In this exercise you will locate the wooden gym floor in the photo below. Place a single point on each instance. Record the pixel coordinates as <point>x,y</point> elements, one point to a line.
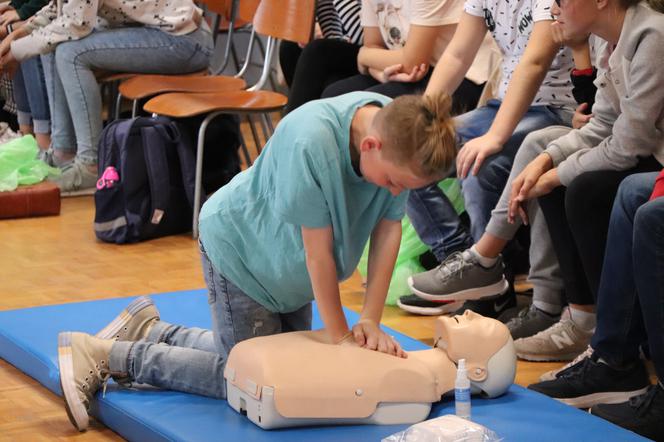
<point>56,260</point>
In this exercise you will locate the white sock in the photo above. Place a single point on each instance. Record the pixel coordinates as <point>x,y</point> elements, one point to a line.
<point>483,260</point>
<point>585,320</point>
<point>546,307</point>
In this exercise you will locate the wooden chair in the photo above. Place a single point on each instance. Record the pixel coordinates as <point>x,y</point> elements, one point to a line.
<point>275,19</point>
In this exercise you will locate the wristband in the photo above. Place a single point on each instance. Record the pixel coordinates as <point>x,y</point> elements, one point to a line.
<point>583,72</point>
<point>10,28</point>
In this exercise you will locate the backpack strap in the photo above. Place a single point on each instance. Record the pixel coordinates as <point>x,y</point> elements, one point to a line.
<point>186,154</point>
<point>154,137</point>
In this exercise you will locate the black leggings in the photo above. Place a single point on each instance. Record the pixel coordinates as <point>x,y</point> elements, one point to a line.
<point>464,99</point>
<point>310,70</point>
<point>578,221</point>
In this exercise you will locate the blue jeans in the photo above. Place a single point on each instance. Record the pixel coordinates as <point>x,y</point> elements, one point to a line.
<point>32,102</point>
<point>630,303</point>
<point>192,360</point>
<point>432,214</point>
<point>74,94</point>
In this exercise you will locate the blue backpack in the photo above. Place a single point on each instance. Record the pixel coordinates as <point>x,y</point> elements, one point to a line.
<point>146,184</point>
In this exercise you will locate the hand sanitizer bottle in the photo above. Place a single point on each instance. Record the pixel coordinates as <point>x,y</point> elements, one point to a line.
<point>462,391</point>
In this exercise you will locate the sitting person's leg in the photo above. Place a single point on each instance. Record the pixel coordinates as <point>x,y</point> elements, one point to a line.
<point>33,75</point>
<point>135,49</point>
<point>322,62</point>
<point>63,137</point>
<point>357,82</point>
<point>629,306</point>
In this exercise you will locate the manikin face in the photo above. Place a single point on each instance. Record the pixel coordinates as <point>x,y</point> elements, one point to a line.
<point>575,17</point>
<point>384,173</point>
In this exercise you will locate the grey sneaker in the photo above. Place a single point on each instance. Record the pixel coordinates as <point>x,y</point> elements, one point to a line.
<point>83,363</point>
<point>563,341</point>
<point>76,179</point>
<point>460,277</point>
<point>552,374</point>
<point>530,321</point>
<point>133,323</point>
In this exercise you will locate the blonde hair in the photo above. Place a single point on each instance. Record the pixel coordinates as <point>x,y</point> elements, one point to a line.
<point>418,131</point>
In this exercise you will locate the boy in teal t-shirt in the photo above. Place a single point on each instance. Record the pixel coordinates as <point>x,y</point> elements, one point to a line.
<point>285,232</point>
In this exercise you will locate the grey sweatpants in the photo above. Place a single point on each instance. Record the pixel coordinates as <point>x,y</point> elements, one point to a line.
<point>544,269</point>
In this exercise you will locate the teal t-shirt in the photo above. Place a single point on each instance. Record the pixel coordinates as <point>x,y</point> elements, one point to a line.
<point>251,228</point>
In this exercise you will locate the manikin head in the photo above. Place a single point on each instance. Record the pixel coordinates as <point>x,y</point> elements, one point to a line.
<point>409,143</point>
<point>485,344</point>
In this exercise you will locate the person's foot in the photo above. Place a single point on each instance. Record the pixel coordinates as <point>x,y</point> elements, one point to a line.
<point>133,323</point>
<point>76,178</point>
<point>83,364</point>
<point>552,374</point>
<point>643,414</point>
<point>563,341</point>
<point>530,321</point>
<point>416,305</point>
<point>590,382</point>
<point>502,307</point>
<point>460,277</point>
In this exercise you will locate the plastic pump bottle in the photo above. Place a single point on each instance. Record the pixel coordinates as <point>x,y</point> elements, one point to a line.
<point>462,391</point>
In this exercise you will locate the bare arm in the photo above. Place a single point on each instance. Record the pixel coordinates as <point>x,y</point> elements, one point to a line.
<point>458,56</point>
<point>521,91</point>
<point>417,50</point>
<point>323,273</point>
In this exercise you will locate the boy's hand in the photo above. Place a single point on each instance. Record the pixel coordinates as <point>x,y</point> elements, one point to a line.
<point>9,16</point>
<point>396,73</point>
<point>523,183</point>
<point>580,117</point>
<point>474,152</point>
<point>369,335</point>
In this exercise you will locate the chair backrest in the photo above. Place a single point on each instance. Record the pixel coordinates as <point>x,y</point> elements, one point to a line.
<point>219,7</point>
<point>246,10</point>
<point>291,20</point>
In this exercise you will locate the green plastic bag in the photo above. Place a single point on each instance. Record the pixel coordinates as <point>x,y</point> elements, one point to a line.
<point>19,164</point>
<point>411,247</point>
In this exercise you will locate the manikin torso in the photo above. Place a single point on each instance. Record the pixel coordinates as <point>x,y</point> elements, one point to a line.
<point>300,379</point>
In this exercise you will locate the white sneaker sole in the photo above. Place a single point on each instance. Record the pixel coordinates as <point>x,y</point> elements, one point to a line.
<point>78,414</point>
<point>443,309</point>
<point>473,294</point>
<point>611,397</point>
<point>117,324</point>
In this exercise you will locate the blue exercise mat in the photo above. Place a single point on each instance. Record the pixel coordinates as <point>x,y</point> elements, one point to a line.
<point>28,340</point>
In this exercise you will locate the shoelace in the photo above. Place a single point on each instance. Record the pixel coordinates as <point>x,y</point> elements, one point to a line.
<point>586,354</point>
<point>454,263</point>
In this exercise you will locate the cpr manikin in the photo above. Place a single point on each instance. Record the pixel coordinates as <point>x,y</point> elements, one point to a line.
<point>297,378</point>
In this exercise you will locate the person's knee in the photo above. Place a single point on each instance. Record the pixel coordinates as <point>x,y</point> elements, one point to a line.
<point>66,55</point>
<point>648,219</point>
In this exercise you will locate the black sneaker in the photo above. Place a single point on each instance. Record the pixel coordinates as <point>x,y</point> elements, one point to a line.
<point>591,382</point>
<point>643,414</point>
<point>415,304</point>
<point>502,307</point>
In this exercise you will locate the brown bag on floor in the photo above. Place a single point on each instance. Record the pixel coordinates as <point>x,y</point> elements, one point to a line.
<point>26,201</point>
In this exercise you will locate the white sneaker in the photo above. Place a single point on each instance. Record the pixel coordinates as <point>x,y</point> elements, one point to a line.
<point>563,341</point>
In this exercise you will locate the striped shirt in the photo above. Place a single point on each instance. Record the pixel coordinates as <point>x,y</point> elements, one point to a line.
<point>340,19</point>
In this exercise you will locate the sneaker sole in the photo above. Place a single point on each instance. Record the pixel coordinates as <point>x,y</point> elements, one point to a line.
<point>610,397</point>
<point>76,411</point>
<point>474,294</point>
<point>117,324</point>
<point>449,307</point>
<point>547,357</point>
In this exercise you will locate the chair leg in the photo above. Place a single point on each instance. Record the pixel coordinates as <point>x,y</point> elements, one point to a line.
<point>264,128</point>
<point>245,150</point>
<point>118,104</point>
<point>134,108</point>
<point>268,122</point>
<point>198,187</point>
<point>254,133</point>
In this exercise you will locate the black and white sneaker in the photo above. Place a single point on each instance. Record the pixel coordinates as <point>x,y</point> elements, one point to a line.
<point>591,382</point>
<point>416,305</point>
<point>502,308</point>
<point>643,414</point>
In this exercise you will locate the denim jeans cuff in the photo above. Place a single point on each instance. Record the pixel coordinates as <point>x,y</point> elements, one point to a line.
<point>118,360</point>
<point>42,126</point>
<point>157,332</point>
<point>549,296</point>
<point>24,118</point>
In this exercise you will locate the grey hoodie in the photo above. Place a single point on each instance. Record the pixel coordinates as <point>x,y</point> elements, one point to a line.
<point>628,116</point>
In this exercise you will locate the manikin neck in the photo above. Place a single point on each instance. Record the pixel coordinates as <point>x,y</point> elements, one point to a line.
<point>442,367</point>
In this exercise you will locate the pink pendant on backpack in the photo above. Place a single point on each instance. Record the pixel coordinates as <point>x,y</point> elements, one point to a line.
<point>108,178</point>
